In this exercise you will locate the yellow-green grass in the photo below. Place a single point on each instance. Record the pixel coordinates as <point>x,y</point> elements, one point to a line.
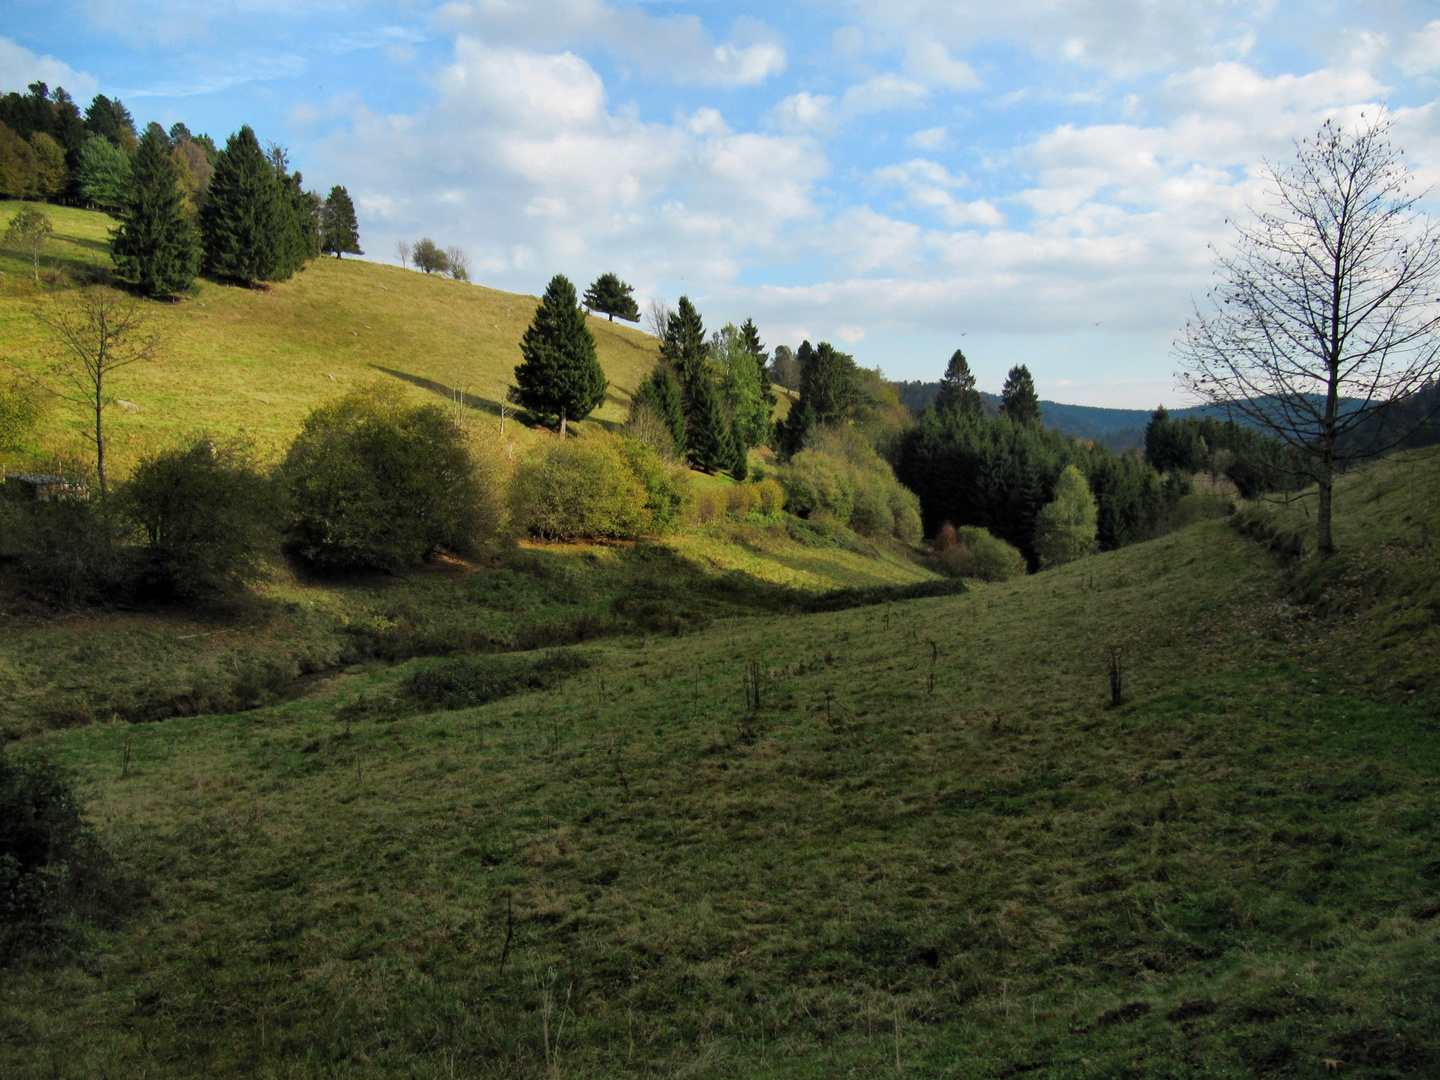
<point>254,362</point>
<point>931,850</point>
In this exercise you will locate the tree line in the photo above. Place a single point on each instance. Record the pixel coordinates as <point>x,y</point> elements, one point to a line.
<point>183,204</point>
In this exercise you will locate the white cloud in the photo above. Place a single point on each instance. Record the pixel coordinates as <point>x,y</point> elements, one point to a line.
<point>930,62</point>
<point>883,93</point>
<point>523,164</point>
<point>19,67</point>
<point>929,139</point>
<point>675,46</point>
<point>805,112</point>
<point>1422,51</point>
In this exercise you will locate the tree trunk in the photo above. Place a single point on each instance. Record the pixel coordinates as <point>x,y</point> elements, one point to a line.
<point>612,316</point>
<point>1324,540</point>
<point>99,443</point>
<point>562,423</point>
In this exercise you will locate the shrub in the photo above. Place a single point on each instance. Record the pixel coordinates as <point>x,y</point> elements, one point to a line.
<point>21,406</point>
<point>872,515</point>
<point>473,680</point>
<point>376,484</point>
<point>667,485</point>
<point>707,505</point>
<point>70,547</point>
<point>576,488</point>
<point>53,872</point>
<point>739,500</point>
<point>814,483</point>
<point>769,498</point>
<point>972,552</point>
<point>1065,528</point>
<point>206,514</point>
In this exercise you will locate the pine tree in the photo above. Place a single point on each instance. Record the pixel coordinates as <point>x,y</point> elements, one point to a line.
<point>156,248</point>
<point>244,223</point>
<point>1066,528</point>
<point>559,379</point>
<point>957,389</point>
<point>340,232</point>
<point>1018,400</point>
<point>662,391</point>
<point>610,295</point>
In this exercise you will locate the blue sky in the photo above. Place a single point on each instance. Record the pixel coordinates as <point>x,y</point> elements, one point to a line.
<point>1033,181</point>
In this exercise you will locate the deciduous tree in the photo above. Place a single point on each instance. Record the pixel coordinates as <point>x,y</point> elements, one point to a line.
<point>427,256</point>
<point>30,230</point>
<point>95,332</point>
<point>1324,317</point>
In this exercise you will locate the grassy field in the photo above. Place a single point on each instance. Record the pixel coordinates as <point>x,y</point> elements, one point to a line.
<point>255,362</point>
<point>929,848</point>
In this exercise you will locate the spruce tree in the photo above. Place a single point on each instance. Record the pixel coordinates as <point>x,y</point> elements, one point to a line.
<point>559,379</point>
<point>684,343</point>
<point>611,296</point>
<point>244,224</point>
<point>739,453</point>
<point>340,232</point>
<point>662,391</point>
<point>709,445</point>
<point>958,395</point>
<point>1018,400</point>
<point>156,248</point>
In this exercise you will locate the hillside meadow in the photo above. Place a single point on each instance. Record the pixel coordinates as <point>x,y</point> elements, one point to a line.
<point>254,362</point>
<point>901,839</point>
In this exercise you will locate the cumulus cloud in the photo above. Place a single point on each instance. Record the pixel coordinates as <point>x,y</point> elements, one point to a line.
<point>522,161</point>
<point>19,67</point>
<point>675,46</point>
<point>1421,53</point>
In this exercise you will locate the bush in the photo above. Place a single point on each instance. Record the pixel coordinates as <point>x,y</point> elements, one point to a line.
<point>576,488</point>
<point>972,552</point>
<point>206,514</point>
<point>839,474</point>
<point>54,874</point>
<point>739,500</point>
<point>470,681</point>
<point>70,547</point>
<point>769,498</point>
<point>815,483</point>
<point>376,484</point>
<point>667,485</point>
<point>707,505</point>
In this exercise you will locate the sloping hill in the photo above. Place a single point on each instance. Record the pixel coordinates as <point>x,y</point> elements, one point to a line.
<point>257,361</point>
<point>910,839</point>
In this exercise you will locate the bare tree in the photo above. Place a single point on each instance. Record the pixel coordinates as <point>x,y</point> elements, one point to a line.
<point>95,332</point>
<point>657,318</point>
<point>402,248</point>
<point>459,263</point>
<point>1325,316</point>
<point>508,394</point>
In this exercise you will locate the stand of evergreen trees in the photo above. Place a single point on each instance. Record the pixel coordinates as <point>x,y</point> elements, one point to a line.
<point>183,204</point>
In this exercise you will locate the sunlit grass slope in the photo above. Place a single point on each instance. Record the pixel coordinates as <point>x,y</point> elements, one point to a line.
<point>931,849</point>
<point>255,362</point>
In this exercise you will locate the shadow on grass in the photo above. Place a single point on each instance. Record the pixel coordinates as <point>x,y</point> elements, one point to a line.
<point>482,404</point>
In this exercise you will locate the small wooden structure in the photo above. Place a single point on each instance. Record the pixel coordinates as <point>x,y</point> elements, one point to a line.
<point>42,487</point>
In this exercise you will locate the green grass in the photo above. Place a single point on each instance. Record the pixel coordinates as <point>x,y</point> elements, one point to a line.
<point>1232,875</point>
<point>255,362</point>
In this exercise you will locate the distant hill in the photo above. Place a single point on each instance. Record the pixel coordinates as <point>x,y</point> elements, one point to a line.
<point>1119,429</point>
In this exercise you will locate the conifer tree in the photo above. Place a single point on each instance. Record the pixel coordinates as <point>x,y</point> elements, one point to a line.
<point>662,391</point>
<point>740,453</point>
<point>1066,528</point>
<point>610,295</point>
<point>340,232</point>
<point>709,445</point>
<point>1018,399</point>
<point>243,224</point>
<point>958,395</point>
<point>559,379</point>
<point>156,248</point>
<point>684,344</point>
